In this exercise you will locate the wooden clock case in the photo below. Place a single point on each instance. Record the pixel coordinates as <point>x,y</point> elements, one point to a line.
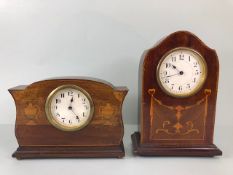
<point>176,126</point>
<point>37,138</point>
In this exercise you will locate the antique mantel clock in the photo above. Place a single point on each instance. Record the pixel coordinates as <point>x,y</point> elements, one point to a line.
<point>69,117</point>
<point>178,83</point>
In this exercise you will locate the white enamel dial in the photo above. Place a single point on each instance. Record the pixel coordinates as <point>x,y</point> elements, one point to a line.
<point>181,72</point>
<point>69,108</point>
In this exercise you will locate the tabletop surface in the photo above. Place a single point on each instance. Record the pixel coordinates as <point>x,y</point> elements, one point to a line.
<point>130,164</point>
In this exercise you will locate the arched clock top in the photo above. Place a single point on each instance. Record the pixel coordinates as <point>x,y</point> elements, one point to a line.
<point>178,82</point>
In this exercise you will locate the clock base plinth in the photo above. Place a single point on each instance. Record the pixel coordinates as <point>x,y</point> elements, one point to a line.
<point>202,151</point>
<point>37,152</point>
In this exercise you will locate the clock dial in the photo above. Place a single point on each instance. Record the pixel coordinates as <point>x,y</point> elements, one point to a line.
<point>181,72</point>
<point>69,108</point>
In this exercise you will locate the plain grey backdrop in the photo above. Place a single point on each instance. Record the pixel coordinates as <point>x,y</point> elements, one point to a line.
<point>40,39</point>
<point>105,39</point>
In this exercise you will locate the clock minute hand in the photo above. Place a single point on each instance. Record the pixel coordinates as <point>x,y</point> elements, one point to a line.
<point>75,114</point>
<point>172,75</point>
<point>70,108</point>
<point>180,73</point>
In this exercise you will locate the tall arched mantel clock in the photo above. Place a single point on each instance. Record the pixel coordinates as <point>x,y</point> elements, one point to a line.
<point>178,83</point>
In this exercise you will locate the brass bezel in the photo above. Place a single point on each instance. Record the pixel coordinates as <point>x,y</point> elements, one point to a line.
<point>49,113</point>
<point>202,78</point>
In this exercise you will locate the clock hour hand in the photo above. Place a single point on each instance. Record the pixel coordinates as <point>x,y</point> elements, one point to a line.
<point>71,101</point>
<point>174,67</point>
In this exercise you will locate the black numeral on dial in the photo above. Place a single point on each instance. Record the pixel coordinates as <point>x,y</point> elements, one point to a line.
<point>58,101</point>
<point>70,93</point>
<point>173,59</point>
<point>181,56</point>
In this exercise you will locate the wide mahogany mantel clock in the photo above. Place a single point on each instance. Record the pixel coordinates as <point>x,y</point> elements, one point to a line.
<point>69,117</point>
<point>178,83</point>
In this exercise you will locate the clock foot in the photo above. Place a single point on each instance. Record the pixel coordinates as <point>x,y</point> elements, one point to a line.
<point>32,152</point>
<point>152,150</point>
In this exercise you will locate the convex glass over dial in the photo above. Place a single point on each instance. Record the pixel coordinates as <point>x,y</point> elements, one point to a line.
<point>69,108</point>
<point>181,72</point>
